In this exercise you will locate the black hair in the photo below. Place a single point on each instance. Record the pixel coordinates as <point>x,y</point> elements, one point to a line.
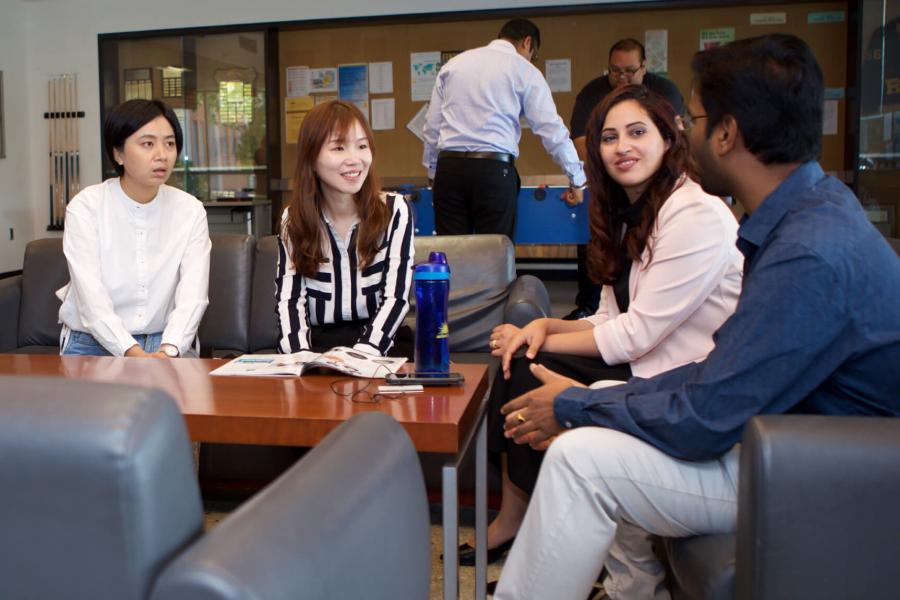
<point>126,118</point>
<point>773,87</point>
<point>628,45</point>
<point>517,30</point>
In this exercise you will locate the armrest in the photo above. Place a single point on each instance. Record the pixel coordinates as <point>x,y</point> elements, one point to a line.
<point>349,520</point>
<point>528,300</point>
<point>10,298</point>
<point>817,507</point>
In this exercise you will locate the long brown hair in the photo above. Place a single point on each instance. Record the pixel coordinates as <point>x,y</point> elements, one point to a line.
<point>303,227</point>
<point>608,198</point>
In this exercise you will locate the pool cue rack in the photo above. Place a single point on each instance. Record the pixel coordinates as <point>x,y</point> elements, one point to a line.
<point>64,154</point>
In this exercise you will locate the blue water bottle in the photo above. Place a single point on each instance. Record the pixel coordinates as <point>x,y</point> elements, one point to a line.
<point>432,281</point>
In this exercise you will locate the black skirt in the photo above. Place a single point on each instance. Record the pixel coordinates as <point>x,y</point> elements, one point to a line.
<point>524,463</point>
<point>326,337</point>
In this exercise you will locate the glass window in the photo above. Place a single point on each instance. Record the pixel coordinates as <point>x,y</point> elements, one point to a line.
<point>216,85</point>
<point>878,167</point>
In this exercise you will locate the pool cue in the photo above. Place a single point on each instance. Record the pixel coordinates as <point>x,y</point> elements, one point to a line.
<point>75,148</point>
<point>50,144</point>
<point>64,122</point>
<point>60,156</point>
<point>70,136</point>
<point>57,159</point>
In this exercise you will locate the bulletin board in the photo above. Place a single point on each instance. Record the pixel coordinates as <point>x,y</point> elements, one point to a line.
<point>582,37</point>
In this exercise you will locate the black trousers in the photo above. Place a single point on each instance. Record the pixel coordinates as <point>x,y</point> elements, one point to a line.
<point>326,337</point>
<point>475,195</point>
<point>588,292</point>
<point>522,462</point>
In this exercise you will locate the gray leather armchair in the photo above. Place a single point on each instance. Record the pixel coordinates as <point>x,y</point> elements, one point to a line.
<point>484,292</point>
<point>484,289</point>
<point>29,308</point>
<point>817,515</point>
<point>100,501</point>
<point>224,328</point>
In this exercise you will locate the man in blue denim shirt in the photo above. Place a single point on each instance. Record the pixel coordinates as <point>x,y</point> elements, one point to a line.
<point>816,331</point>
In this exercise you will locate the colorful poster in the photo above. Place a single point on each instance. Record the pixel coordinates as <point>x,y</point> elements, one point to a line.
<point>713,38</point>
<point>656,45</point>
<point>323,80</point>
<point>559,74</point>
<point>296,82</point>
<point>423,70</point>
<point>353,85</point>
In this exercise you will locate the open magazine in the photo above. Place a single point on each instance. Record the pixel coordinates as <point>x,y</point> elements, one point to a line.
<point>340,358</point>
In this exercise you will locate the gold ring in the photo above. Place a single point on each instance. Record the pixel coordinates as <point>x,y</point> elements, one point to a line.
<point>520,418</point>
<point>494,345</point>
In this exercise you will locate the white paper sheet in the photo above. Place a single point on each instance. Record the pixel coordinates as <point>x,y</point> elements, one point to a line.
<point>656,45</point>
<point>830,118</point>
<point>382,114</point>
<point>559,74</point>
<point>381,78</point>
<point>296,82</point>
<point>417,123</point>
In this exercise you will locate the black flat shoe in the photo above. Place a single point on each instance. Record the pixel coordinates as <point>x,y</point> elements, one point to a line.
<point>578,313</point>
<point>467,553</point>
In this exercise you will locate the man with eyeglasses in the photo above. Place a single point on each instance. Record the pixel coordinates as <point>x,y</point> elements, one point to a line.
<point>627,65</point>
<point>472,133</point>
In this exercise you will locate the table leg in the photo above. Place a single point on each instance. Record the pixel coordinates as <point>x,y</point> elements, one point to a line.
<point>450,502</point>
<point>481,511</point>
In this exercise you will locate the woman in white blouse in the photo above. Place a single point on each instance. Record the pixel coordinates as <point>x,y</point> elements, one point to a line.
<point>137,249</point>
<point>665,252</point>
<point>346,253</point>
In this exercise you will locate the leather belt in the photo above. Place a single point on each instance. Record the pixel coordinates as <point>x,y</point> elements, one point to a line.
<point>501,156</point>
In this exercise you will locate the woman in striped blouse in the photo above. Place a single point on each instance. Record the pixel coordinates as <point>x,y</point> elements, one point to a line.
<point>346,252</point>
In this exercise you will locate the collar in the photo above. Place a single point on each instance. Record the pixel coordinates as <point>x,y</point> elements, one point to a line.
<point>330,224</point>
<point>133,205</point>
<point>503,46</point>
<point>755,228</point>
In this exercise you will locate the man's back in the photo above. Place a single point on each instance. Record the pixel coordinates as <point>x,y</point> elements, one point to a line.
<point>482,93</point>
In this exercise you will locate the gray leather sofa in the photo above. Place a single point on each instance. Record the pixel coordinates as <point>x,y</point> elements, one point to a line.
<point>817,515</point>
<point>100,501</point>
<point>241,314</point>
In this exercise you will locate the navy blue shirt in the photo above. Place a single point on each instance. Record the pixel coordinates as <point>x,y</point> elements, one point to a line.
<point>816,331</point>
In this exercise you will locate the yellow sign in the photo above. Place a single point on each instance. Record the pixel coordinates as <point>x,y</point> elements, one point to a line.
<point>300,103</point>
<point>295,110</point>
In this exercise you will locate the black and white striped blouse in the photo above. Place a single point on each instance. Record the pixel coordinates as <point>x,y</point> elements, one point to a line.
<point>341,292</point>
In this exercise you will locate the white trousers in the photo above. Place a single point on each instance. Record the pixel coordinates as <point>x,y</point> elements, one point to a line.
<point>599,493</point>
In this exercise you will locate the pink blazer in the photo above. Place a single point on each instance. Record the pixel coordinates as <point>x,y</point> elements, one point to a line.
<point>680,298</point>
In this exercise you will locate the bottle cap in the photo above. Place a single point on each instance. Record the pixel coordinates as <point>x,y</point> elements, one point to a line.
<point>435,269</point>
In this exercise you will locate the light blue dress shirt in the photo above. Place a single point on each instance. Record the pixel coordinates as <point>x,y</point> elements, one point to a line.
<point>476,103</point>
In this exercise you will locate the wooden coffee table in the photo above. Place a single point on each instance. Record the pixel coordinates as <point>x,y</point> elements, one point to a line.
<point>300,411</point>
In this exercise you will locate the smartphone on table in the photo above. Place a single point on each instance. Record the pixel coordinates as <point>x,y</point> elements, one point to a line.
<point>424,379</point>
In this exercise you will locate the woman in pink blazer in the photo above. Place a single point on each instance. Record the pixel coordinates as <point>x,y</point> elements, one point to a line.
<point>665,252</point>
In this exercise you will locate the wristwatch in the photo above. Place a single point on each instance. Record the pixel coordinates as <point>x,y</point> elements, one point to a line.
<point>170,350</point>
